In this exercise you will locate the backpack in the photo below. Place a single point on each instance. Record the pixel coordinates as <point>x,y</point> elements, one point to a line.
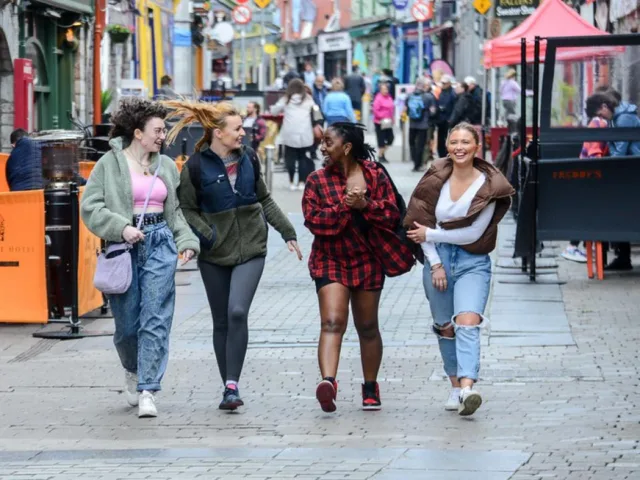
<point>415,106</point>
<point>195,170</point>
<point>400,231</point>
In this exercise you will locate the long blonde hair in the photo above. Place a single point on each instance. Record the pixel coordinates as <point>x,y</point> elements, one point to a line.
<point>209,115</point>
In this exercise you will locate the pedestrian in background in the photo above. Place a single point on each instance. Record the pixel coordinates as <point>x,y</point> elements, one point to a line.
<point>446,104</point>
<point>23,170</point>
<point>319,91</point>
<point>166,91</point>
<point>337,104</point>
<point>350,208</point>
<point>465,107</point>
<point>296,133</point>
<point>355,87</point>
<point>228,205</point>
<point>121,184</point>
<point>509,94</point>
<point>454,214</point>
<point>383,113</point>
<point>254,126</point>
<point>421,110</point>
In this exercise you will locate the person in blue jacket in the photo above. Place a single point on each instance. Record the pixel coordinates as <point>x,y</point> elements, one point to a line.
<point>24,167</point>
<point>337,104</point>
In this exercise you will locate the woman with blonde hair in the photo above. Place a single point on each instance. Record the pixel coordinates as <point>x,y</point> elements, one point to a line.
<point>510,94</point>
<point>337,105</point>
<point>226,202</point>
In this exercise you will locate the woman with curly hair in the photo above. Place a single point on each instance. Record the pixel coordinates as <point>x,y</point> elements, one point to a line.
<point>122,183</point>
<point>350,207</point>
<point>227,204</point>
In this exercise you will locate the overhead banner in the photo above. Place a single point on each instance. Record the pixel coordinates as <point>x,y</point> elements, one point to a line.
<point>515,8</point>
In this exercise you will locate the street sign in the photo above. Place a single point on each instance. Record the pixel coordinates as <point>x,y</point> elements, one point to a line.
<point>241,14</point>
<point>422,12</point>
<point>482,6</point>
<point>262,3</point>
<point>400,4</point>
<point>270,49</point>
<point>242,2</point>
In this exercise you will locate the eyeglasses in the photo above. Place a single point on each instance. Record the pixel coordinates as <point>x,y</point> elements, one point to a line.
<point>158,132</point>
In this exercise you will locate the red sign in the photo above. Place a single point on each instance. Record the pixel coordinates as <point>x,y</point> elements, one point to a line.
<point>242,2</point>
<point>422,12</point>
<point>241,14</point>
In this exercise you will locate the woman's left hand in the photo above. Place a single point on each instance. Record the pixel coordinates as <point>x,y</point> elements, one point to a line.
<point>419,234</point>
<point>187,255</point>
<point>294,247</point>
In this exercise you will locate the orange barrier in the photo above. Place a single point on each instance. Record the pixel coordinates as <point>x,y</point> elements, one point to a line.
<point>89,298</point>
<point>23,280</point>
<point>85,168</point>
<point>4,185</point>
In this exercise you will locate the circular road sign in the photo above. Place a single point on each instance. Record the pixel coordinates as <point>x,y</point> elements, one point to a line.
<point>422,12</point>
<point>241,14</point>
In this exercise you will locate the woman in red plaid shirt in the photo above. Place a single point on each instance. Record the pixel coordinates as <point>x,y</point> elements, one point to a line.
<point>350,207</point>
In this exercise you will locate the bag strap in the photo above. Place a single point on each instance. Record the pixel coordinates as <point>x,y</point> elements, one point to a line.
<point>146,201</point>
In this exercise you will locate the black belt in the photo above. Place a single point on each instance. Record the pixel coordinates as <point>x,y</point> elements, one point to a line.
<point>149,219</point>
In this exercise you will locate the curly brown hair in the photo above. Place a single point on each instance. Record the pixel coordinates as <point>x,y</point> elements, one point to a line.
<point>134,113</point>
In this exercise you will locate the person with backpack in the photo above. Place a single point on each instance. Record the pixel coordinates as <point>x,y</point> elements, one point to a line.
<point>226,202</point>
<point>421,110</point>
<point>351,209</point>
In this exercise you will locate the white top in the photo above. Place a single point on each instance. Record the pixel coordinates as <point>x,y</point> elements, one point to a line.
<point>447,209</point>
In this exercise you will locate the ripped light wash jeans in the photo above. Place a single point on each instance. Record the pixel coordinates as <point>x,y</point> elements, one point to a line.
<point>468,282</point>
<point>144,313</point>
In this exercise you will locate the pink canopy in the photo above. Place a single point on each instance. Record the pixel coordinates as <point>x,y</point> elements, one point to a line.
<point>552,18</point>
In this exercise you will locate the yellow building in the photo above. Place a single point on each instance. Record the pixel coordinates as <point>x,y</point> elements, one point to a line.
<point>154,41</point>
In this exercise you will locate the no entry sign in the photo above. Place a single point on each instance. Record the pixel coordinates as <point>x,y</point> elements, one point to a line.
<point>241,14</point>
<point>422,12</point>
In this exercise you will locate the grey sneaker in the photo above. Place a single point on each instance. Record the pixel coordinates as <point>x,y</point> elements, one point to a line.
<point>131,388</point>
<point>147,407</point>
<point>470,401</point>
<point>454,399</point>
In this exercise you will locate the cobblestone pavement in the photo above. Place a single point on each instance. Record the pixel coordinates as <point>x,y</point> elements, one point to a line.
<point>559,383</point>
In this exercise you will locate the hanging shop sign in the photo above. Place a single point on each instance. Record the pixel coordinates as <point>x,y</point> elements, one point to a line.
<point>515,8</point>
<point>400,4</point>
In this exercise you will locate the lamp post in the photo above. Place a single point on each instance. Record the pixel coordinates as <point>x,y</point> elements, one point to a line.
<point>98,32</point>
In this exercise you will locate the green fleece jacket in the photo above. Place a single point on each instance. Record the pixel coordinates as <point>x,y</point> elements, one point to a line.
<point>235,236</point>
<point>107,202</point>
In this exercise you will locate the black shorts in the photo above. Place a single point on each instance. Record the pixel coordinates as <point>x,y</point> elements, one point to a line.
<point>384,137</point>
<point>323,282</point>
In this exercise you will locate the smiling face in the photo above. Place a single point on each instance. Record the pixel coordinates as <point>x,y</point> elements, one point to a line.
<point>153,135</point>
<point>231,135</point>
<point>333,148</point>
<point>462,147</point>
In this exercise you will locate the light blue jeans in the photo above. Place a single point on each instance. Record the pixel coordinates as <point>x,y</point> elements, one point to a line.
<point>468,282</point>
<point>143,314</point>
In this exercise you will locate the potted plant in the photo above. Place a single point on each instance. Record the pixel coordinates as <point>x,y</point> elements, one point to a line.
<point>105,100</point>
<point>118,33</point>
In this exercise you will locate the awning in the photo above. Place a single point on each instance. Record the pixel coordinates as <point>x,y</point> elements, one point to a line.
<point>363,30</point>
<point>76,6</point>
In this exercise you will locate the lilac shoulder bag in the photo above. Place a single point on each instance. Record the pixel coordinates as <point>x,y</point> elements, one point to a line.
<point>113,271</point>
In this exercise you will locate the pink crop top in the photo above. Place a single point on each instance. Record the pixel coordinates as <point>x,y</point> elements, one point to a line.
<point>140,185</point>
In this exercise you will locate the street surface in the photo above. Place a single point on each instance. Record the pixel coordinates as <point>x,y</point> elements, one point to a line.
<point>559,376</point>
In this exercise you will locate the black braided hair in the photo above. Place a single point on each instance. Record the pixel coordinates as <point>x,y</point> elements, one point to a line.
<point>353,133</point>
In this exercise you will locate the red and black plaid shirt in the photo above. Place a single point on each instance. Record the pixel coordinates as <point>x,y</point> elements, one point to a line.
<point>342,250</point>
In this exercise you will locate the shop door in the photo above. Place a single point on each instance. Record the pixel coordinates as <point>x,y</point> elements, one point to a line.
<point>335,64</point>
<point>42,91</point>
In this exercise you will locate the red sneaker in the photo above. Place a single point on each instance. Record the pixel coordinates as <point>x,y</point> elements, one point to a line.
<point>326,393</point>
<point>371,398</point>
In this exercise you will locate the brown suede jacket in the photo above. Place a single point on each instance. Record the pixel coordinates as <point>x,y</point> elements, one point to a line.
<point>496,188</point>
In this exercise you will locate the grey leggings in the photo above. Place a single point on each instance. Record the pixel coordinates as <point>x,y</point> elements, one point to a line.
<point>230,291</point>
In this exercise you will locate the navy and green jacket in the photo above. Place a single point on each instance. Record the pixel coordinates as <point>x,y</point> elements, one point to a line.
<point>232,226</point>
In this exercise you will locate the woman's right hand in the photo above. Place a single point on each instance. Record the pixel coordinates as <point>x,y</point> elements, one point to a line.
<point>439,278</point>
<point>132,235</point>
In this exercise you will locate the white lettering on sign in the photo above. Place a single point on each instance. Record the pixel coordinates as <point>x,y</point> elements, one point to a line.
<point>333,42</point>
<point>521,11</point>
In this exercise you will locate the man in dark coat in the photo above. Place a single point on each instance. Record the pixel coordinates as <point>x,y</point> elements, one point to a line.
<point>24,167</point>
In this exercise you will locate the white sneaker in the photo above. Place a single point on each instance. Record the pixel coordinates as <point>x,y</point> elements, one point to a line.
<point>292,187</point>
<point>147,407</point>
<point>454,399</point>
<point>470,401</point>
<point>131,387</point>
<point>574,254</point>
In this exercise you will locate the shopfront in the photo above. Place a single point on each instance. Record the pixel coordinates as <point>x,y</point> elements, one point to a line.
<point>154,41</point>
<point>51,40</point>
<point>374,47</point>
<point>335,53</point>
<point>407,49</point>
